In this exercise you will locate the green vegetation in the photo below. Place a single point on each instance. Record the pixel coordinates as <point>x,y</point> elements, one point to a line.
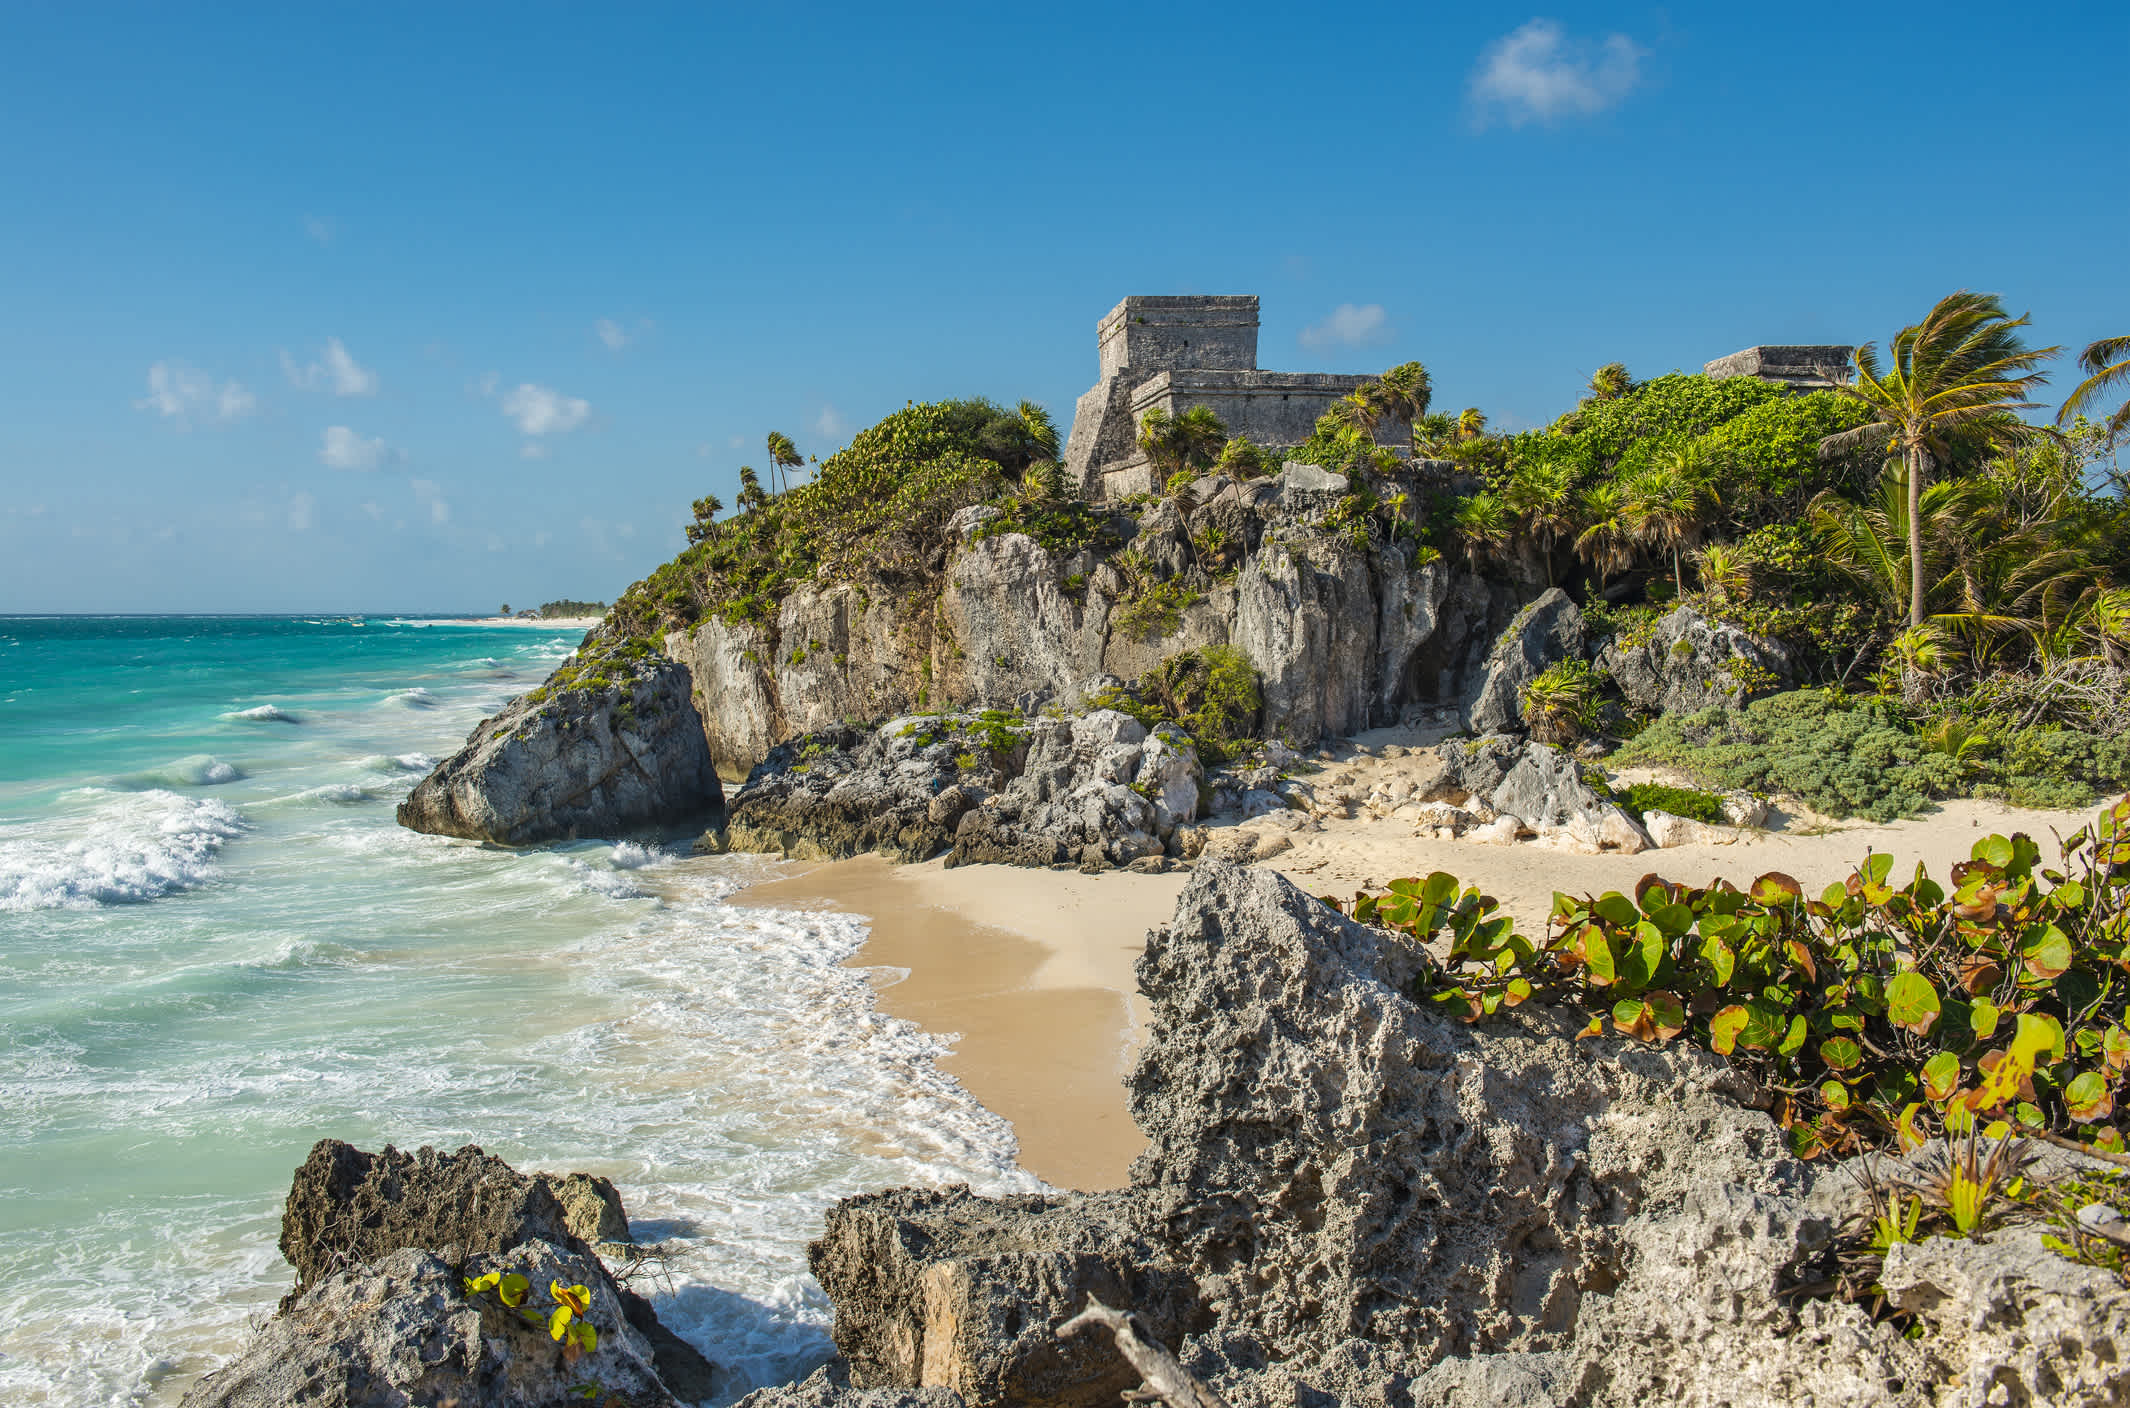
<point>1882,1014</point>
<point>1211,693</point>
<point>1562,703</point>
<point>602,663</point>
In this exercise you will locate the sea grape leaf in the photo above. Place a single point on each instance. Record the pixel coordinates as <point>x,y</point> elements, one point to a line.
<point>2087,1098</point>
<point>1941,1075</point>
<point>1912,1003</point>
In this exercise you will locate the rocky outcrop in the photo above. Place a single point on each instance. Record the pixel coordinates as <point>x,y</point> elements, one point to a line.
<point>611,745</point>
<point>1093,791</point>
<point>1547,631</point>
<point>1351,1198</point>
<point>1689,663</point>
<point>1347,633</point>
<point>403,1331</point>
<point>350,1212</point>
<point>1520,786</point>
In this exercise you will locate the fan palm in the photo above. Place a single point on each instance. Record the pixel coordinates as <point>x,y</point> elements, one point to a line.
<point>1964,368</point>
<point>1482,526</point>
<point>1668,503</point>
<point>1541,495</point>
<point>1356,410</point>
<point>751,495</point>
<point>1608,538</point>
<point>1610,382</point>
<point>2107,367</point>
<point>1471,423</point>
<point>1404,393</point>
<point>1176,443</point>
<point>783,457</point>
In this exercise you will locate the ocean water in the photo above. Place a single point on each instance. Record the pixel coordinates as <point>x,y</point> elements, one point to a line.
<point>217,947</point>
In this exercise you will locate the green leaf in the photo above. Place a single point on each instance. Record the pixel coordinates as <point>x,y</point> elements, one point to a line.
<point>2087,1098</point>
<point>1672,920</point>
<point>1941,1075</point>
<point>1618,910</point>
<point>1645,952</point>
<point>1793,1041</point>
<point>1725,1027</point>
<point>1774,889</point>
<point>1719,958</point>
<point>1841,1053</point>
<point>1598,959</point>
<point>1912,1003</point>
<point>1993,850</point>
<point>2047,953</point>
<point>1983,1018</point>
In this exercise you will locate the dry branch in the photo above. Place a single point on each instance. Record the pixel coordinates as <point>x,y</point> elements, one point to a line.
<point>1163,1380</point>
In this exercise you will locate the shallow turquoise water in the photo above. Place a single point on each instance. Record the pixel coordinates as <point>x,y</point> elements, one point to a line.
<point>217,947</point>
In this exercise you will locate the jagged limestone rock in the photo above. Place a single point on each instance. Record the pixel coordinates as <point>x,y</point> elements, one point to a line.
<point>347,1207</point>
<point>1547,631</point>
<point>1689,663</point>
<point>611,745</point>
<point>1665,831</point>
<point>402,1331</point>
<point>1545,790</point>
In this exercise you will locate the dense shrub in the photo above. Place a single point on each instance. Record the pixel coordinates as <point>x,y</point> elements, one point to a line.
<point>1876,1015</point>
<point>1211,692</point>
<point>1845,757</point>
<point>1646,797</point>
<point>1562,702</point>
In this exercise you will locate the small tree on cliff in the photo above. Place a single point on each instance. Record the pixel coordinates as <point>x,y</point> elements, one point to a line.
<point>707,508</point>
<point>1404,392</point>
<point>1173,444</point>
<point>751,495</point>
<point>783,458</point>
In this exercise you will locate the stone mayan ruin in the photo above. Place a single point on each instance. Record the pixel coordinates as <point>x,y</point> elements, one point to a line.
<point>1177,352</point>
<point>1180,351</point>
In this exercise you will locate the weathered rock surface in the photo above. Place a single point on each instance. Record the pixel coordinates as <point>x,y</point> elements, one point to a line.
<point>348,1208</point>
<point>1541,787</point>
<point>1690,663</point>
<point>1095,791</point>
<point>401,1331</point>
<point>1349,1199</point>
<point>1547,631</point>
<point>1666,830</point>
<point>611,745</point>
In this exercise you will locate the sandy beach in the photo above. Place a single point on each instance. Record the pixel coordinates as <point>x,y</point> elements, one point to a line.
<point>1031,970</point>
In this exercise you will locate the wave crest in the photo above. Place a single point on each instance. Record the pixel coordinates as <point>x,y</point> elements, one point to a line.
<point>135,847</point>
<point>262,714</point>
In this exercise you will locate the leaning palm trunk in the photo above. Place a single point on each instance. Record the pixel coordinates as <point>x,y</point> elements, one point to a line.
<point>1918,464</point>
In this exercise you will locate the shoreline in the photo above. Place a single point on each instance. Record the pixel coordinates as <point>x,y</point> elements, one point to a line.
<point>1028,972</point>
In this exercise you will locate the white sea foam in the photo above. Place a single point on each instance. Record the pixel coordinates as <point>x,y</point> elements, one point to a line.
<point>123,849</point>
<point>262,714</point>
<point>398,762</point>
<point>416,698</point>
<point>332,793</point>
<point>196,770</point>
<point>632,855</point>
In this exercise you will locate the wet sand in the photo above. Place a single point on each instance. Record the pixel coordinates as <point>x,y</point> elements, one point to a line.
<point>1032,969</point>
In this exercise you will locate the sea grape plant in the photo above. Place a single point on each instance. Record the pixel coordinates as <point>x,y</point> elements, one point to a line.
<point>1875,1015</point>
<point>564,1322</point>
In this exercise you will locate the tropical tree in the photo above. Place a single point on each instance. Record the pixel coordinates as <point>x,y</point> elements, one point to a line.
<point>1403,392</point>
<point>1173,444</point>
<point>751,495</point>
<point>1356,410</point>
<point>707,508</point>
<point>783,458</point>
<point>1963,370</point>
<point>1610,382</point>
<point>1042,484</point>
<point>1483,524</point>
<point>1541,496</point>
<point>1608,539</point>
<point>2106,364</point>
<point>1471,423</point>
<point>1241,459</point>
<point>1668,504</point>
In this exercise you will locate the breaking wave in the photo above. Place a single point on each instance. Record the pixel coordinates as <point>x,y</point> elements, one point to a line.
<point>262,714</point>
<point>131,848</point>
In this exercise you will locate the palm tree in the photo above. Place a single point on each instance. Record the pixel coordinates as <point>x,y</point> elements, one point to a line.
<point>1482,526</point>
<point>1176,443</point>
<point>707,508</point>
<point>1240,459</point>
<point>1668,503</point>
<point>1541,495</point>
<point>1042,430</point>
<point>783,457</point>
<point>1609,536</point>
<point>1042,484</point>
<point>1471,423</point>
<point>1404,392</point>
<point>751,495</point>
<point>1610,382</point>
<point>2107,367</point>
<point>1356,410</point>
<point>1964,368</point>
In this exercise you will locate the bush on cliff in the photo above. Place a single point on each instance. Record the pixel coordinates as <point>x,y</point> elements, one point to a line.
<point>1878,1015</point>
<point>876,510</point>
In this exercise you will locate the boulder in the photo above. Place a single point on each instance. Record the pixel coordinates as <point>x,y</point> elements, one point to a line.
<point>948,1290</point>
<point>1546,790</point>
<point>1665,830</point>
<point>1547,631</point>
<point>1308,491</point>
<point>611,745</point>
<point>1690,662</point>
<point>347,1207</point>
<point>402,1330</point>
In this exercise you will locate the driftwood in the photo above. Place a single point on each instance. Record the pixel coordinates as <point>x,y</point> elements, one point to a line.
<point>1163,1380</point>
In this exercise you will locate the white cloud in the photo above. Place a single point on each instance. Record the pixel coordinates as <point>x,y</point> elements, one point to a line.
<point>344,449</point>
<point>1349,326</point>
<point>830,424</point>
<point>187,395</point>
<point>542,410</point>
<point>300,510</point>
<point>338,372</point>
<point>431,493</point>
<point>319,228</point>
<point>1538,74</point>
<point>613,334</point>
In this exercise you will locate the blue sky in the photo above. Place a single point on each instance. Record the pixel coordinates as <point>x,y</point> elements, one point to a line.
<point>429,308</point>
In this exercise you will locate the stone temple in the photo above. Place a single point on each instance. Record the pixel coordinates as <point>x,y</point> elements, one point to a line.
<point>1799,368</point>
<point>1183,351</point>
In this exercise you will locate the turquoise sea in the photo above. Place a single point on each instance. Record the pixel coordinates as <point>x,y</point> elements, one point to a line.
<point>217,947</point>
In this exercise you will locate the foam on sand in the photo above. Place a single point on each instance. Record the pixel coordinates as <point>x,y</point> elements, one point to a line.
<point>126,848</point>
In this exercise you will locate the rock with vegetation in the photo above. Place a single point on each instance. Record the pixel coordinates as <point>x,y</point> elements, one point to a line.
<point>1353,1196</point>
<point>382,1244</point>
<point>1689,663</point>
<point>1544,633</point>
<point>1096,791</point>
<point>404,1329</point>
<point>612,744</point>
